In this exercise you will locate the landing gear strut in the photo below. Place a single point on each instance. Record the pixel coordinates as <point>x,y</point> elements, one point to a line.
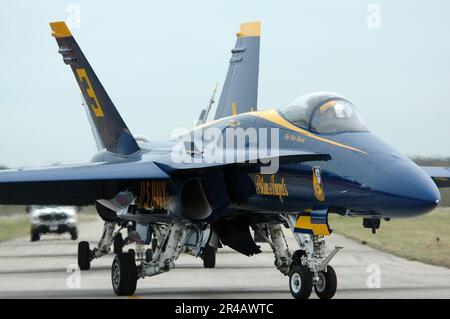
<point>127,268</point>
<point>312,257</point>
<point>307,267</point>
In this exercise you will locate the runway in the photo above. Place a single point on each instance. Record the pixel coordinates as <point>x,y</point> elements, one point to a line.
<point>44,270</point>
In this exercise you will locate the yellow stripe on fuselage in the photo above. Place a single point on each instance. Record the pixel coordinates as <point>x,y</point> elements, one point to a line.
<point>274,117</point>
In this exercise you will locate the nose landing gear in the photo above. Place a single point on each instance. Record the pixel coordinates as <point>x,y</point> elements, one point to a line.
<point>307,267</point>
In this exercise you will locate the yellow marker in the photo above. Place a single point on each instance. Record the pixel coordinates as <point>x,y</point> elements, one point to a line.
<point>233,108</point>
<point>60,29</point>
<point>81,73</point>
<point>250,29</point>
<point>304,222</point>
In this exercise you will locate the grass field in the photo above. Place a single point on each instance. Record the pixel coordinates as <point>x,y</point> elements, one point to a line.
<point>14,221</point>
<point>425,238</point>
<point>14,226</point>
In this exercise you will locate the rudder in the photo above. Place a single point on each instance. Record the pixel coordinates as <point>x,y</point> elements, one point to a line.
<point>240,90</point>
<point>114,133</point>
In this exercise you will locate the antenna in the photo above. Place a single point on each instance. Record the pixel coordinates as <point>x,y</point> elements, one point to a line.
<point>205,112</point>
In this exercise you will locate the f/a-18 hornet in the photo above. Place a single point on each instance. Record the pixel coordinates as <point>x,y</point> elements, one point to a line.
<point>245,169</point>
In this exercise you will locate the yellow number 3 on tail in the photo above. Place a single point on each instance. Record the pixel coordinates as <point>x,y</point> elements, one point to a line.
<point>81,73</point>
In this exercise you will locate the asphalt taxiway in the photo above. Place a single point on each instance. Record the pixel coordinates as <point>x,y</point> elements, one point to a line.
<point>44,269</point>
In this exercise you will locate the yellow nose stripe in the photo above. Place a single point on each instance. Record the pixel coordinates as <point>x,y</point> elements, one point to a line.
<point>274,117</point>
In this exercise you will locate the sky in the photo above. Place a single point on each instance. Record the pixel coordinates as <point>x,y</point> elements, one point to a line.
<point>159,62</point>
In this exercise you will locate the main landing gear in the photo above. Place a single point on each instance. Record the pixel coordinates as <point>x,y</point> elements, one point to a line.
<point>109,237</point>
<point>167,245</point>
<point>307,267</point>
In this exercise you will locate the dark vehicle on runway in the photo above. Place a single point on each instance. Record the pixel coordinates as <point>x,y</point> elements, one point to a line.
<point>247,168</point>
<point>53,220</point>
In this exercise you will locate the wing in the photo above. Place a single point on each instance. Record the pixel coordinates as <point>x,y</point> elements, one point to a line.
<point>196,163</point>
<point>440,175</point>
<point>73,185</point>
<point>240,90</point>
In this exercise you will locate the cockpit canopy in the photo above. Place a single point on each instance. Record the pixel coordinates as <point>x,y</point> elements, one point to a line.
<point>324,112</point>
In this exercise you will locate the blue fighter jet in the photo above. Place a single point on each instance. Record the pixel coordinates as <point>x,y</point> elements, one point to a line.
<point>264,170</point>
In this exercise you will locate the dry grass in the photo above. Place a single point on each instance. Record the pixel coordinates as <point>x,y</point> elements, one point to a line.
<point>14,226</point>
<point>425,238</point>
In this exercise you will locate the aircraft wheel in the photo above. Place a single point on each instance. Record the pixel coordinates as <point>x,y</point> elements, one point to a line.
<point>132,252</point>
<point>73,234</point>
<point>84,255</point>
<point>35,236</point>
<point>124,274</point>
<point>118,243</point>
<point>148,255</point>
<point>209,257</point>
<point>297,256</point>
<point>325,288</point>
<point>300,282</point>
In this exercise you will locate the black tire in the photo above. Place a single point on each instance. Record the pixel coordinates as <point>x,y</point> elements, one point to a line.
<point>132,252</point>
<point>35,236</point>
<point>118,243</point>
<point>327,285</point>
<point>148,255</point>
<point>124,274</point>
<point>209,257</point>
<point>300,282</point>
<point>84,255</point>
<point>154,244</point>
<point>73,234</point>
<point>297,256</point>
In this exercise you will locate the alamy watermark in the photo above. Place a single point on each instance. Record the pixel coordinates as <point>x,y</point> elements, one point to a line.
<point>374,16</point>
<point>73,280</point>
<point>73,19</point>
<point>213,145</point>
<point>373,280</point>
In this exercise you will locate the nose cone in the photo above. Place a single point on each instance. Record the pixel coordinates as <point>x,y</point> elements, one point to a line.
<point>405,190</point>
